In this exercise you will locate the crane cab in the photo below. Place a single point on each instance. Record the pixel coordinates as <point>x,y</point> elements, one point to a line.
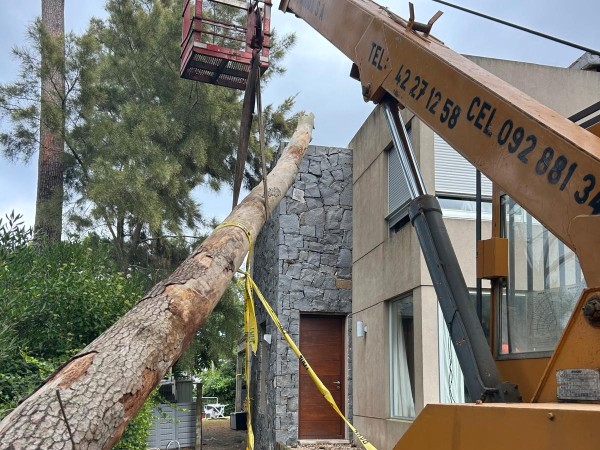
<point>220,37</point>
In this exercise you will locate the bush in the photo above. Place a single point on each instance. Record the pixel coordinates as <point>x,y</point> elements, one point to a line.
<point>54,300</point>
<point>68,293</point>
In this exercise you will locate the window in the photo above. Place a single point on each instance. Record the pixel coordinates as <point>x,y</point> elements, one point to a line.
<point>464,209</point>
<point>456,186</point>
<point>452,380</point>
<point>398,193</point>
<point>544,283</point>
<point>454,175</point>
<point>402,358</point>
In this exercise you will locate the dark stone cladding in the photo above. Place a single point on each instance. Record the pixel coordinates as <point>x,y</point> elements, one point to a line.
<point>302,264</point>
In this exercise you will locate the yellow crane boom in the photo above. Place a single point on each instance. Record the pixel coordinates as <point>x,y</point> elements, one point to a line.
<point>546,163</point>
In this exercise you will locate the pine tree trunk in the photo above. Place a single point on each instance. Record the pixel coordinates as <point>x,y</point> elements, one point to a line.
<point>48,207</point>
<point>104,386</point>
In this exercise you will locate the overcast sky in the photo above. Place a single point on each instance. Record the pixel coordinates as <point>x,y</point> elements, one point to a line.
<point>318,73</point>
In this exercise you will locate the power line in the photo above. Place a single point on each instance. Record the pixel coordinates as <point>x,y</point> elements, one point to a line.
<point>522,28</point>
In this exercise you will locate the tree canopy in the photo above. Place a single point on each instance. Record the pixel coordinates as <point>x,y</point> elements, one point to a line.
<point>139,139</point>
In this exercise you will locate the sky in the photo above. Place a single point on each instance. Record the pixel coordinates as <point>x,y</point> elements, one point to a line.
<point>318,74</point>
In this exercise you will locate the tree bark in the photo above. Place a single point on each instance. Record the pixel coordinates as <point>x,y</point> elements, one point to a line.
<point>104,386</point>
<point>49,200</point>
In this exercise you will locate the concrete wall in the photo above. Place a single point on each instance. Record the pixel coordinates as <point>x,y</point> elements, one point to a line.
<point>303,264</point>
<point>386,265</point>
<point>567,91</point>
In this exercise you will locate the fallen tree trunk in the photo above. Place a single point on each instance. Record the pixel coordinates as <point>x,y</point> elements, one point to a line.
<point>88,402</point>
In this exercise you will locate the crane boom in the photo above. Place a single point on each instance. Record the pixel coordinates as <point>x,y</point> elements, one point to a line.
<point>546,163</point>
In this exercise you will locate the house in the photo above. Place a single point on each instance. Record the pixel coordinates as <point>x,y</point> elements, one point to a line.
<point>397,355</point>
<point>303,266</point>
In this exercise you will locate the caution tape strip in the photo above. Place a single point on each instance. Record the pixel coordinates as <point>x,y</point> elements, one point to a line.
<point>252,343</point>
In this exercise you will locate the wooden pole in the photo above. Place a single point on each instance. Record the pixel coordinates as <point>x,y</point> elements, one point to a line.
<point>198,444</point>
<point>104,386</point>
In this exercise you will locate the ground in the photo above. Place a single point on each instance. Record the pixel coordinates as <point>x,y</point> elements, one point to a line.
<point>324,447</point>
<point>217,435</point>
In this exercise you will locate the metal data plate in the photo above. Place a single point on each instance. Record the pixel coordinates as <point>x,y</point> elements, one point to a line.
<point>578,385</point>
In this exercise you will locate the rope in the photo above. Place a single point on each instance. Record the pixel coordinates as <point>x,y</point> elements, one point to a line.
<point>261,131</point>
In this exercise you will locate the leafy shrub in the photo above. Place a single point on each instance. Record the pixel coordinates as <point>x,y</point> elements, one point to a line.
<point>54,300</point>
<point>58,298</point>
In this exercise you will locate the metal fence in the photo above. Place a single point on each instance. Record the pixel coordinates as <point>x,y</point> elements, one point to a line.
<point>179,425</point>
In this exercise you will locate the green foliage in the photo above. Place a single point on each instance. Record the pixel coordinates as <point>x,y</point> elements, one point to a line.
<point>220,382</point>
<point>13,234</point>
<point>20,101</point>
<point>19,375</point>
<point>68,293</point>
<point>54,300</point>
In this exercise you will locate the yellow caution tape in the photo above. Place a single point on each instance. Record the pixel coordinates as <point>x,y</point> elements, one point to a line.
<point>252,343</point>
<point>324,391</point>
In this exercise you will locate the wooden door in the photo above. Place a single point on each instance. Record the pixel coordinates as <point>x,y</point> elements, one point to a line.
<point>322,342</point>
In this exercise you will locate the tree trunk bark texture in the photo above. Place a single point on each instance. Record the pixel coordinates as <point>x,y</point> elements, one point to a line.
<point>104,386</point>
<point>48,209</point>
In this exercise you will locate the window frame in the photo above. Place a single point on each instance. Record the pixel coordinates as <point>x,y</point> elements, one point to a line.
<point>396,407</point>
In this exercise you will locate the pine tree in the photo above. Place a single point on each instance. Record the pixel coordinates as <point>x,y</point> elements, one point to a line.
<point>40,105</point>
<point>48,205</point>
<point>147,138</point>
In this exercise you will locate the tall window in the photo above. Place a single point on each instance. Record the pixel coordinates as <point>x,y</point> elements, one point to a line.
<point>398,193</point>
<point>402,358</point>
<point>544,283</point>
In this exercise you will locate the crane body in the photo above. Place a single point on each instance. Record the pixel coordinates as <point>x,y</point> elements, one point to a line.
<point>545,162</point>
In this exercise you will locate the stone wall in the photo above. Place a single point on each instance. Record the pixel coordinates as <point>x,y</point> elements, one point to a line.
<point>303,264</point>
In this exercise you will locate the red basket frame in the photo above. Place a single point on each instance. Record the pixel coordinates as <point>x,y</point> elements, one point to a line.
<point>215,64</point>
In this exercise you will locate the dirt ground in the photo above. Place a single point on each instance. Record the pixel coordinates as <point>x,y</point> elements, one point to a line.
<point>324,447</point>
<point>217,435</point>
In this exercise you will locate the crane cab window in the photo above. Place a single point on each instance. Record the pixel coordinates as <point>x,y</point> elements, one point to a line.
<point>544,283</point>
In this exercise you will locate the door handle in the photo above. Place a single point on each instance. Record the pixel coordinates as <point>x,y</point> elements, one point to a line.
<point>337,383</point>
